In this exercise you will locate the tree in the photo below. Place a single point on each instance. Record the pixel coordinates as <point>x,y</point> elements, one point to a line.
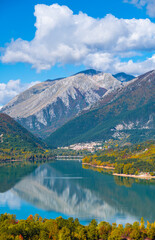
<point>116,233</point>
<point>135,234</point>
<point>51,227</point>
<point>104,230</point>
<point>92,230</point>
<point>142,223</point>
<point>151,230</point>
<point>127,229</point>
<point>80,233</point>
<point>64,234</point>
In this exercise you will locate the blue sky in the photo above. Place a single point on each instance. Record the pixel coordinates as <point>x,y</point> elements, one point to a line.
<point>45,52</point>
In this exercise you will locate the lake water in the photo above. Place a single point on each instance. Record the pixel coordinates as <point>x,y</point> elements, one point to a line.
<point>64,188</point>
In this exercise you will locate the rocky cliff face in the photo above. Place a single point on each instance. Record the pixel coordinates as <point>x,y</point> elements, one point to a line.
<point>46,106</point>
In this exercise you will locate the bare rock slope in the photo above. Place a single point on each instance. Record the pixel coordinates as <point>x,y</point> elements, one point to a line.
<point>46,106</point>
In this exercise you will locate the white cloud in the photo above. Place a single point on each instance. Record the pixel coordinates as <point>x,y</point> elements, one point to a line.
<point>149,4</point>
<point>64,38</point>
<point>110,62</point>
<point>9,199</point>
<point>11,89</point>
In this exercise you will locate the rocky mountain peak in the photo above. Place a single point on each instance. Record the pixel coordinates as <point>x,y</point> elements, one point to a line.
<point>48,105</point>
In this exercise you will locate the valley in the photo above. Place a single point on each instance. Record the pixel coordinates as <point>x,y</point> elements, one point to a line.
<point>77,120</point>
<point>119,114</point>
<point>100,155</point>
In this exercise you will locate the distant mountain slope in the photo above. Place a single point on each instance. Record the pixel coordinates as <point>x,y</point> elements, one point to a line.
<point>123,77</point>
<point>47,106</point>
<point>89,72</point>
<point>127,111</point>
<point>13,135</point>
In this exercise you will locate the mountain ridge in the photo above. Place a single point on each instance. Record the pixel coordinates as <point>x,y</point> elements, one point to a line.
<point>48,105</point>
<point>128,111</point>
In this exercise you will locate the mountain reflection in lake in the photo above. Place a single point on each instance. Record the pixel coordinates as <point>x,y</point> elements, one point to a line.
<point>64,188</point>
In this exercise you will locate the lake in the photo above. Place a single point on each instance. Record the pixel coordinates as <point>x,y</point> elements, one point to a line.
<point>64,188</point>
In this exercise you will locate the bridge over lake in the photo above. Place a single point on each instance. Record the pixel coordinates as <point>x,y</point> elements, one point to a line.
<point>65,158</point>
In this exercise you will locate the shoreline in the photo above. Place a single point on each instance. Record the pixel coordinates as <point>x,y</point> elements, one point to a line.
<point>104,167</point>
<point>10,161</point>
<point>134,176</point>
<point>147,177</point>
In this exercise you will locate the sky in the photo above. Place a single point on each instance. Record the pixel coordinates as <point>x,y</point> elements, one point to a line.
<point>45,39</point>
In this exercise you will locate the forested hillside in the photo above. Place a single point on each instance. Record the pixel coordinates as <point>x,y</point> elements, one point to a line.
<point>16,141</point>
<point>131,160</point>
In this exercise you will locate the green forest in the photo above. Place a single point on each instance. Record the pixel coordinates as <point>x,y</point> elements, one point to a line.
<point>131,160</point>
<point>16,143</point>
<point>34,155</point>
<point>37,228</point>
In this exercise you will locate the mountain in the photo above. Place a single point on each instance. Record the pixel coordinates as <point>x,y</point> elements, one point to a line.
<point>90,72</point>
<point>47,106</point>
<point>125,112</point>
<point>123,77</point>
<point>56,79</point>
<point>14,136</point>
